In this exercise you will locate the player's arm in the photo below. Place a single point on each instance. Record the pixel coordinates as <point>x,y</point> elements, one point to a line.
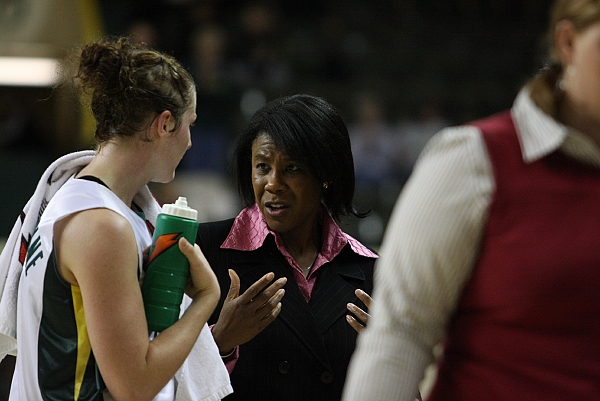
<point>97,251</point>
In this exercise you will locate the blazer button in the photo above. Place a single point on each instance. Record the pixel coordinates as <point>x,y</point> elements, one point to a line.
<point>326,377</point>
<point>284,367</point>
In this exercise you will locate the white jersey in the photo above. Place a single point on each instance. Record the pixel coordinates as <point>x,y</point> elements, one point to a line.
<point>55,360</point>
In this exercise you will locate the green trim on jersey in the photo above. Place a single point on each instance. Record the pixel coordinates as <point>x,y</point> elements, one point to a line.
<point>67,368</point>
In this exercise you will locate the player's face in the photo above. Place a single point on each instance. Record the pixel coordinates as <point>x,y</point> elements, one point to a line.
<point>179,142</point>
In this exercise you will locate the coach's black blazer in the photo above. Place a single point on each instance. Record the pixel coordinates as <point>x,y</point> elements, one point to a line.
<point>304,354</point>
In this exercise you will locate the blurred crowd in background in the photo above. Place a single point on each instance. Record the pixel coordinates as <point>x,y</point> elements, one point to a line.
<point>399,71</point>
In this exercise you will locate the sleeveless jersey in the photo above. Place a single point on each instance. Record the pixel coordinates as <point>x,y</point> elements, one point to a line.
<point>55,360</point>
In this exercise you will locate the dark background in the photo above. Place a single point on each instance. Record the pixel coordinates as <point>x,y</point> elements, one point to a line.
<point>447,61</point>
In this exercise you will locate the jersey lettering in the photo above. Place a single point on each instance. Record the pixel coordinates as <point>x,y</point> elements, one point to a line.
<point>32,253</point>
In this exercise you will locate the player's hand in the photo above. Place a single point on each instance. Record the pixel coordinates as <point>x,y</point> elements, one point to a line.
<point>202,283</point>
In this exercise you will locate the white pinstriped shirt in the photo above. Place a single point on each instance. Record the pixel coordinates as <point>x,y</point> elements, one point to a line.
<point>431,245</point>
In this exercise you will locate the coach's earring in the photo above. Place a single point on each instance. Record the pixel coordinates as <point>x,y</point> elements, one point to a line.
<point>325,185</point>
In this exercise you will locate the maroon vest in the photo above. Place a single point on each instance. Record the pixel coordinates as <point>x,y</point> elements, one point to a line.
<point>527,325</point>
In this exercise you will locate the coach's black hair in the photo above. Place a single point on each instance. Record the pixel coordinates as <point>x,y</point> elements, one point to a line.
<point>310,130</point>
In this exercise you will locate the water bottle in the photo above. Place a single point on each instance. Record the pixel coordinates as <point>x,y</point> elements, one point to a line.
<point>168,268</point>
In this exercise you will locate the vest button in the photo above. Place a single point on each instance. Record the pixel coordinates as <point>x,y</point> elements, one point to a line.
<point>326,377</point>
<point>284,367</point>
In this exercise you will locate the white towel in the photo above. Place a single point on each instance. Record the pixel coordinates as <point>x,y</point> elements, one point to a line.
<point>194,375</point>
<point>14,252</point>
<point>203,376</point>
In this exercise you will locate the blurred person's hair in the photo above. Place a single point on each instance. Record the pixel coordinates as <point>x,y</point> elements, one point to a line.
<point>544,86</point>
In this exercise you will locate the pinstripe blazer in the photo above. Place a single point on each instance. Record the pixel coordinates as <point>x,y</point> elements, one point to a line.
<point>304,354</point>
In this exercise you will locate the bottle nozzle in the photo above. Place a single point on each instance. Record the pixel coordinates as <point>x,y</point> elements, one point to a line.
<point>180,208</point>
<point>181,201</point>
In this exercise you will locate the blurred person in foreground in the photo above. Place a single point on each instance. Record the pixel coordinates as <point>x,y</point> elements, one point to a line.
<point>77,251</point>
<point>492,248</point>
<point>295,175</point>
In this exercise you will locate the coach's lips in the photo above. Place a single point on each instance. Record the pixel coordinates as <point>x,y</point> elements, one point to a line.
<point>276,209</point>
